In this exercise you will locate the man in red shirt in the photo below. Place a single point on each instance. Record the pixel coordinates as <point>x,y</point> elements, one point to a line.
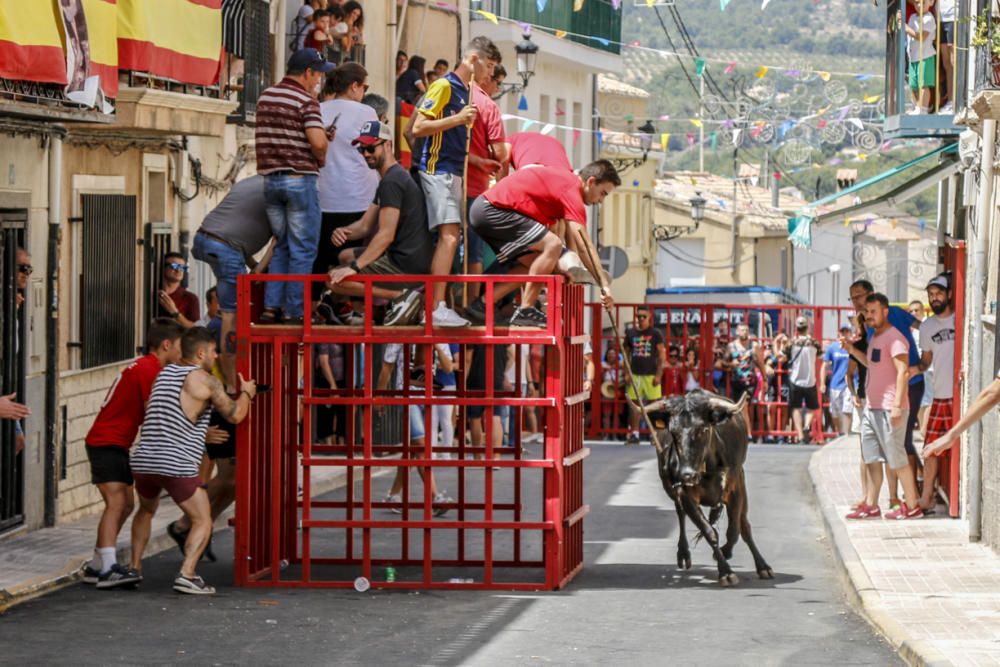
<point>175,301</point>
<point>108,444</point>
<point>531,149</point>
<point>526,218</point>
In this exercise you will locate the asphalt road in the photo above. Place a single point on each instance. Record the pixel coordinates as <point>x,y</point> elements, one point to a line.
<point>629,606</point>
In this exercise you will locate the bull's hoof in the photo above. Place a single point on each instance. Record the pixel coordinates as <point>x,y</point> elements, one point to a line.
<point>684,560</point>
<point>726,580</point>
<point>766,573</point>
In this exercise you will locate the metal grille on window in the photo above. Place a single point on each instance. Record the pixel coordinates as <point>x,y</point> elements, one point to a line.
<point>12,225</point>
<point>157,242</point>
<point>249,40</point>
<point>107,279</point>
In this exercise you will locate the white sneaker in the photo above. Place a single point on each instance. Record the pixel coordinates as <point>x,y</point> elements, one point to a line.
<point>947,109</point>
<point>443,316</point>
<point>397,499</point>
<point>441,498</point>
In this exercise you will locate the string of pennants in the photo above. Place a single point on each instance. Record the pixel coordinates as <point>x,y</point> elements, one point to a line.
<point>698,61</point>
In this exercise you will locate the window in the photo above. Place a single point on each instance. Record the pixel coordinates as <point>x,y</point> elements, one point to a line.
<point>107,283</point>
<point>247,40</point>
<point>12,226</point>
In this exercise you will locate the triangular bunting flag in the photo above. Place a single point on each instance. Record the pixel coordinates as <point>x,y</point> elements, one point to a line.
<point>561,33</point>
<point>696,122</point>
<point>730,67</point>
<point>736,137</point>
<point>576,136</point>
<point>548,128</point>
<point>762,72</point>
<point>715,141</point>
<point>825,76</point>
<point>665,141</point>
<point>522,104</point>
<point>723,4</point>
<point>699,66</point>
<point>600,138</point>
<point>649,3</point>
<point>541,5</point>
<point>577,5</point>
<point>615,4</point>
<point>690,138</point>
<point>490,16</point>
<point>526,124</point>
<point>764,4</point>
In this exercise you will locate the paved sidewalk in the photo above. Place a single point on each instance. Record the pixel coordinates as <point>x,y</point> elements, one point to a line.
<point>41,561</point>
<point>931,592</point>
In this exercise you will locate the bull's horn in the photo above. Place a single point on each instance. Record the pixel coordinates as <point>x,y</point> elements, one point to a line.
<point>725,404</point>
<point>656,405</point>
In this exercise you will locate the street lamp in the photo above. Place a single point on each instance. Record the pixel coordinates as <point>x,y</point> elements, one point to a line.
<point>661,233</point>
<point>833,268</point>
<point>527,52</point>
<point>645,136</point>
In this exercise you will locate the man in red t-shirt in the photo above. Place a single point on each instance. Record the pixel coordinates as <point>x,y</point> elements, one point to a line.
<point>487,156</point>
<point>531,149</point>
<point>526,218</point>
<point>108,443</point>
<point>175,301</point>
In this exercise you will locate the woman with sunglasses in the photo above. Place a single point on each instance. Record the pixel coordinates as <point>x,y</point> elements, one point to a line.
<point>346,184</point>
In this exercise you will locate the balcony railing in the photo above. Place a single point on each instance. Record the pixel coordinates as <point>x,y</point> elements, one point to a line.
<point>597,25</point>
<point>256,53</point>
<point>984,41</point>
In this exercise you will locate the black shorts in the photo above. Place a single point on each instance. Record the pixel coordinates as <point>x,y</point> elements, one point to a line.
<point>109,463</point>
<point>226,450</point>
<point>947,32</point>
<point>508,233</point>
<point>739,388</point>
<point>797,396</point>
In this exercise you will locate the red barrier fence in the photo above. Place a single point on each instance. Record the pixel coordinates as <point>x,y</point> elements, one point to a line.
<point>516,519</point>
<point>701,335</point>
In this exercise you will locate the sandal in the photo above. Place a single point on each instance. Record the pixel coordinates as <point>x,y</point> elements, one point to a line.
<point>270,316</point>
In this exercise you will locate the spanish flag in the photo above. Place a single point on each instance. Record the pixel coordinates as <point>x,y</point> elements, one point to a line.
<point>176,39</point>
<point>31,46</point>
<point>102,31</point>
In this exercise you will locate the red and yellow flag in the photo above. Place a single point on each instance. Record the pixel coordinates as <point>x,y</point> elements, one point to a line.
<point>177,39</point>
<point>102,31</point>
<point>31,46</point>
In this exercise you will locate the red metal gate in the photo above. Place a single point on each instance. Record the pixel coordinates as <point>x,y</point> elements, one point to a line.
<point>949,475</point>
<point>516,521</point>
<point>703,329</point>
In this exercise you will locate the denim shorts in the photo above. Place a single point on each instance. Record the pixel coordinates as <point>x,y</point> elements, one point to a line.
<point>226,261</point>
<point>416,421</point>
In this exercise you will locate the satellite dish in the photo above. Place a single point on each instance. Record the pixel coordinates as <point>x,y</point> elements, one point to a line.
<point>614,260</point>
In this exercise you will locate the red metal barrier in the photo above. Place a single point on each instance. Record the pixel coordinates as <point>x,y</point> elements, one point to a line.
<point>517,517</point>
<point>706,329</point>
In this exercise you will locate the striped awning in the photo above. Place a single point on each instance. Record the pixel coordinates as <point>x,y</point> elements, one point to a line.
<point>233,16</point>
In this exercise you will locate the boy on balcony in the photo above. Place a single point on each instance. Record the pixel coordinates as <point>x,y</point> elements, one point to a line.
<point>920,31</point>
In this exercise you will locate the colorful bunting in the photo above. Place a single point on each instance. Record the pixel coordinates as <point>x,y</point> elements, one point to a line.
<point>736,137</point>
<point>862,77</point>
<point>699,66</point>
<point>490,16</point>
<point>526,125</point>
<point>715,141</point>
<point>871,99</point>
<point>615,4</point>
<point>821,124</point>
<point>723,4</point>
<point>825,76</point>
<point>762,72</point>
<point>522,104</point>
<point>665,116</point>
<point>600,138</point>
<point>601,40</point>
<point>649,3</point>
<point>576,136</point>
<point>541,5</point>
<point>577,5</point>
<point>665,141</point>
<point>923,224</point>
<point>561,33</point>
<point>696,122</point>
<point>893,222</point>
<point>764,4</point>
<point>690,138</point>
<point>548,128</point>
<point>730,67</point>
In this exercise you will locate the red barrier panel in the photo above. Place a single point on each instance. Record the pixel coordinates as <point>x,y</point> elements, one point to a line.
<point>516,518</point>
<point>949,472</point>
<point>707,330</point>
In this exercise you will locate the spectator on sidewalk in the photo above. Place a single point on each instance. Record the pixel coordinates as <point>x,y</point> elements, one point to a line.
<point>211,308</point>
<point>835,362</point>
<point>444,415</point>
<point>108,443</point>
<point>801,355</point>
<point>318,36</point>
<point>883,423</point>
<point>919,312</point>
<point>346,184</point>
<point>303,22</point>
<point>174,300</point>
<point>410,85</point>
<point>171,445</point>
<point>441,67</point>
<point>229,238</point>
<point>647,357</point>
<point>402,242</point>
<point>379,104</point>
<point>903,322</point>
<point>291,143</point>
<point>444,117</point>
<point>938,335</point>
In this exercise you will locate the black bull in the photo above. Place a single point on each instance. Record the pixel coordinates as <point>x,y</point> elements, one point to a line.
<point>704,446</point>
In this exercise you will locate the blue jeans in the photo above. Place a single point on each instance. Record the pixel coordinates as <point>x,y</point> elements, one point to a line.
<point>293,209</point>
<point>227,262</point>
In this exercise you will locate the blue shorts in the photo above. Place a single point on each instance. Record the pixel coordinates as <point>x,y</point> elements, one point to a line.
<point>226,261</point>
<point>416,421</point>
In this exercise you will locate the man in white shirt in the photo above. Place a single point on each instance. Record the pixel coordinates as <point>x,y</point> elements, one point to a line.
<point>801,355</point>
<point>937,335</point>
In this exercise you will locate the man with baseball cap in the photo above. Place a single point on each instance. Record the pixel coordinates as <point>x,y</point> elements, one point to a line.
<point>291,145</point>
<point>402,242</point>
<point>937,338</point>
<point>801,355</point>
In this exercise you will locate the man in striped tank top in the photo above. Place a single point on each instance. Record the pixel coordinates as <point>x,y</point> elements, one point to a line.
<point>171,445</point>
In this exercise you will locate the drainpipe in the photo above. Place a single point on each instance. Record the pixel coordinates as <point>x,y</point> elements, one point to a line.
<point>978,299</point>
<point>280,44</point>
<point>52,322</point>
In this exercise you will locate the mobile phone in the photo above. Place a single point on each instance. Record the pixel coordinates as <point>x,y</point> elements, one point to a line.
<point>263,388</point>
<point>333,123</point>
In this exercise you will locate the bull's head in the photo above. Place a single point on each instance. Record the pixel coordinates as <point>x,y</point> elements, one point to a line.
<point>685,425</point>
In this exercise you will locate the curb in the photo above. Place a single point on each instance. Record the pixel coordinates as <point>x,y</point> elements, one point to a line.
<point>861,591</point>
<point>72,572</point>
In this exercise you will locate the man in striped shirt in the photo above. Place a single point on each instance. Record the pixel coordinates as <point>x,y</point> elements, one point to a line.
<point>291,144</point>
<point>171,445</point>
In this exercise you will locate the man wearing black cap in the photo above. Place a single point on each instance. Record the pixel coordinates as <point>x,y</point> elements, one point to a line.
<point>291,144</point>
<point>402,242</point>
<point>937,339</point>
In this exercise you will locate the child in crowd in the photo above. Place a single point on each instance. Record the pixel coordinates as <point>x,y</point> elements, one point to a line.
<point>920,32</point>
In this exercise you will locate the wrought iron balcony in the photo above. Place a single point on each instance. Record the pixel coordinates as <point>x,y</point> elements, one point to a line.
<point>597,25</point>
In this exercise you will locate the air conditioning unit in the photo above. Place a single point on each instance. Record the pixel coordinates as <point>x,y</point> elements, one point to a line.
<point>968,148</point>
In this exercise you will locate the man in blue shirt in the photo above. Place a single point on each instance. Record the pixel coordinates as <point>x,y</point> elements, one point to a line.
<point>835,362</point>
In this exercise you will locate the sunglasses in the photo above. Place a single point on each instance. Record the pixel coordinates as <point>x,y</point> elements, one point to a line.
<point>177,266</point>
<point>369,150</point>
<point>25,269</point>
